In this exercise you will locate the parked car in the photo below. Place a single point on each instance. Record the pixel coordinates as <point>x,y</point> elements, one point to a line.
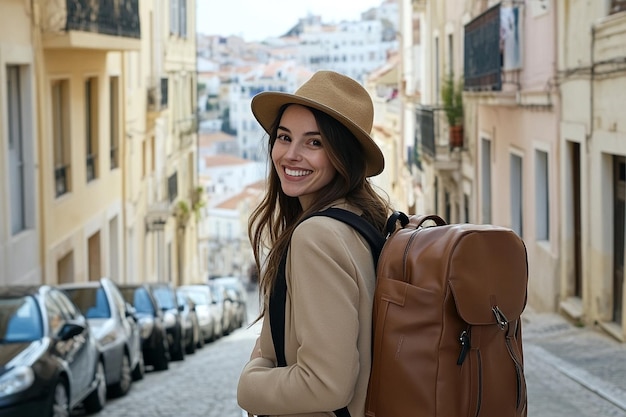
<point>49,359</point>
<point>116,329</point>
<point>191,327</point>
<point>154,342</point>
<point>166,299</point>
<point>236,293</point>
<point>223,306</point>
<point>203,299</point>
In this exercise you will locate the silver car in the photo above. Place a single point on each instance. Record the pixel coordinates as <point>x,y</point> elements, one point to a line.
<point>207,317</point>
<point>114,325</point>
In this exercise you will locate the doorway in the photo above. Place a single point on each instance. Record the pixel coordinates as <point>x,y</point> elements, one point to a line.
<point>619,213</point>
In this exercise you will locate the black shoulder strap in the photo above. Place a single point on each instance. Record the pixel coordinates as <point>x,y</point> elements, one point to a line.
<point>278,298</point>
<point>374,238</point>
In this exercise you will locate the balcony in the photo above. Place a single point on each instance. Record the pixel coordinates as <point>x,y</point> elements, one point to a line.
<point>107,25</point>
<point>492,54</point>
<point>157,215</point>
<point>432,140</point>
<point>61,180</point>
<point>157,94</point>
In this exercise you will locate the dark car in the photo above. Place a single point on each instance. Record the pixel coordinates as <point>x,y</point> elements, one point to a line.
<point>112,320</point>
<point>166,299</point>
<point>49,360</point>
<point>151,324</point>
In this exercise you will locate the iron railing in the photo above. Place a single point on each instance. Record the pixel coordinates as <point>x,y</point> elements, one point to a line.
<point>425,131</point>
<point>483,57</point>
<point>107,17</point>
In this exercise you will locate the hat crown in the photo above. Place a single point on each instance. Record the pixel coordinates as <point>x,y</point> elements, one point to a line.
<point>341,94</point>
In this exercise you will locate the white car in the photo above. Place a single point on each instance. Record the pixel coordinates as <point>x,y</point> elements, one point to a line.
<point>206,312</point>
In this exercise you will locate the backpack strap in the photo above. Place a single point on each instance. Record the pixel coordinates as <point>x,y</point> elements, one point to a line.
<point>278,297</point>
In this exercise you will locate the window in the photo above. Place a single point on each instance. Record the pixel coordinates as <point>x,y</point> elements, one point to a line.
<point>178,18</point>
<point>617,6</point>
<point>114,120</point>
<point>172,187</point>
<point>91,127</point>
<point>485,169</point>
<point>542,192</point>
<point>516,194</point>
<point>61,136</point>
<point>18,180</point>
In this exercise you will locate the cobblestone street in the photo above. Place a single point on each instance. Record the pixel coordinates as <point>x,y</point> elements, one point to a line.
<point>570,371</point>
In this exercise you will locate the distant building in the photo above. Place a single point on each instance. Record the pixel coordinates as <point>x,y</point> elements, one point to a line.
<point>284,76</point>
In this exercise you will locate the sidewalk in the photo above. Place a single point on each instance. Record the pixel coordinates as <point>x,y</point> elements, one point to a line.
<point>584,354</point>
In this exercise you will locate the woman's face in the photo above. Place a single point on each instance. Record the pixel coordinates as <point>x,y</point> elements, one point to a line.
<point>299,156</point>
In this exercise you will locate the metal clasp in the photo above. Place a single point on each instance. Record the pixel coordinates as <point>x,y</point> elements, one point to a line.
<point>500,317</point>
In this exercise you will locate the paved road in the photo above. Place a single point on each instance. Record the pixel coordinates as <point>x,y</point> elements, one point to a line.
<point>204,384</point>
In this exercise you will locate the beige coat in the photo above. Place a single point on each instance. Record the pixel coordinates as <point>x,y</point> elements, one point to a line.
<point>330,286</point>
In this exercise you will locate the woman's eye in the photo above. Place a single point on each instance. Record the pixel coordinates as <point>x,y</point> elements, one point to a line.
<point>316,142</point>
<point>283,137</point>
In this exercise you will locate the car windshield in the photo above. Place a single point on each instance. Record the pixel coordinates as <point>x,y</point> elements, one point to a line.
<point>91,301</point>
<point>197,296</point>
<point>139,298</point>
<point>20,320</point>
<point>164,297</point>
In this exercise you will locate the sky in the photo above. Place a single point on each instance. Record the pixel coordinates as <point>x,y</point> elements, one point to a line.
<point>255,20</point>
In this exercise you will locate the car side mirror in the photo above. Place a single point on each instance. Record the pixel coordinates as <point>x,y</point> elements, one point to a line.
<point>131,311</point>
<point>69,330</point>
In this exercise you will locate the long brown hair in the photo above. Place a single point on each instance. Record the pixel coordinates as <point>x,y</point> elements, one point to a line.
<point>273,221</point>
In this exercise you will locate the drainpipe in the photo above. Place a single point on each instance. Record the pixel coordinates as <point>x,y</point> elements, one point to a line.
<point>39,75</point>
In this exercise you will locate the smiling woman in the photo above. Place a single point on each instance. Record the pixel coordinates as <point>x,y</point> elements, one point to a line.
<point>319,273</point>
<point>256,20</point>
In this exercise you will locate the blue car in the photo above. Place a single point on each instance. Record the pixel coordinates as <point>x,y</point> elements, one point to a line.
<point>49,359</point>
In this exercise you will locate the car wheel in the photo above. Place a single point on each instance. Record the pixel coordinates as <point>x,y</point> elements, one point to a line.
<point>122,387</point>
<point>140,368</point>
<point>178,351</point>
<point>161,356</point>
<point>97,399</point>
<point>60,406</point>
<point>201,340</point>
<point>190,347</point>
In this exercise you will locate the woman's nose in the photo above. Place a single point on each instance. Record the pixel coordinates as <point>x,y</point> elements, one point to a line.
<point>293,152</point>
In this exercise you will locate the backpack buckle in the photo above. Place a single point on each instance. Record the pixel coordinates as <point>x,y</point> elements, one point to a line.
<point>500,317</point>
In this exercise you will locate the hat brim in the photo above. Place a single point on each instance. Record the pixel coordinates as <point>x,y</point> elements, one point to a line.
<point>265,107</point>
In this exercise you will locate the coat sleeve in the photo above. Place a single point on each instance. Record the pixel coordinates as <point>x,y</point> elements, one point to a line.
<point>323,298</point>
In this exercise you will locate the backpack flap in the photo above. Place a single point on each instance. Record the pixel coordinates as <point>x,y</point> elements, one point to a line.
<point>488,274</point>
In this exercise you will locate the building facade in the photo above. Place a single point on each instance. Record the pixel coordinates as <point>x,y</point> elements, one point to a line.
<point>20,222</point>
<point>80,83</point>
<point>592,156</point>
<point>499,59</point>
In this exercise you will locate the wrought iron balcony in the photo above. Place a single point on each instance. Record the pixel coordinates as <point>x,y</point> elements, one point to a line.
<point>493,54</point>
<point>108,17</point>
<point>61,180</point>
<point>103,24</point>
<point>431,141</point>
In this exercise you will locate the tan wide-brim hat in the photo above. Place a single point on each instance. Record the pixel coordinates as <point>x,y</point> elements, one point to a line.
<point>340,97</point>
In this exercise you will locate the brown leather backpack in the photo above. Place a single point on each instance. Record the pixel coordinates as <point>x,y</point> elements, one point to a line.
<point>447,328</point>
